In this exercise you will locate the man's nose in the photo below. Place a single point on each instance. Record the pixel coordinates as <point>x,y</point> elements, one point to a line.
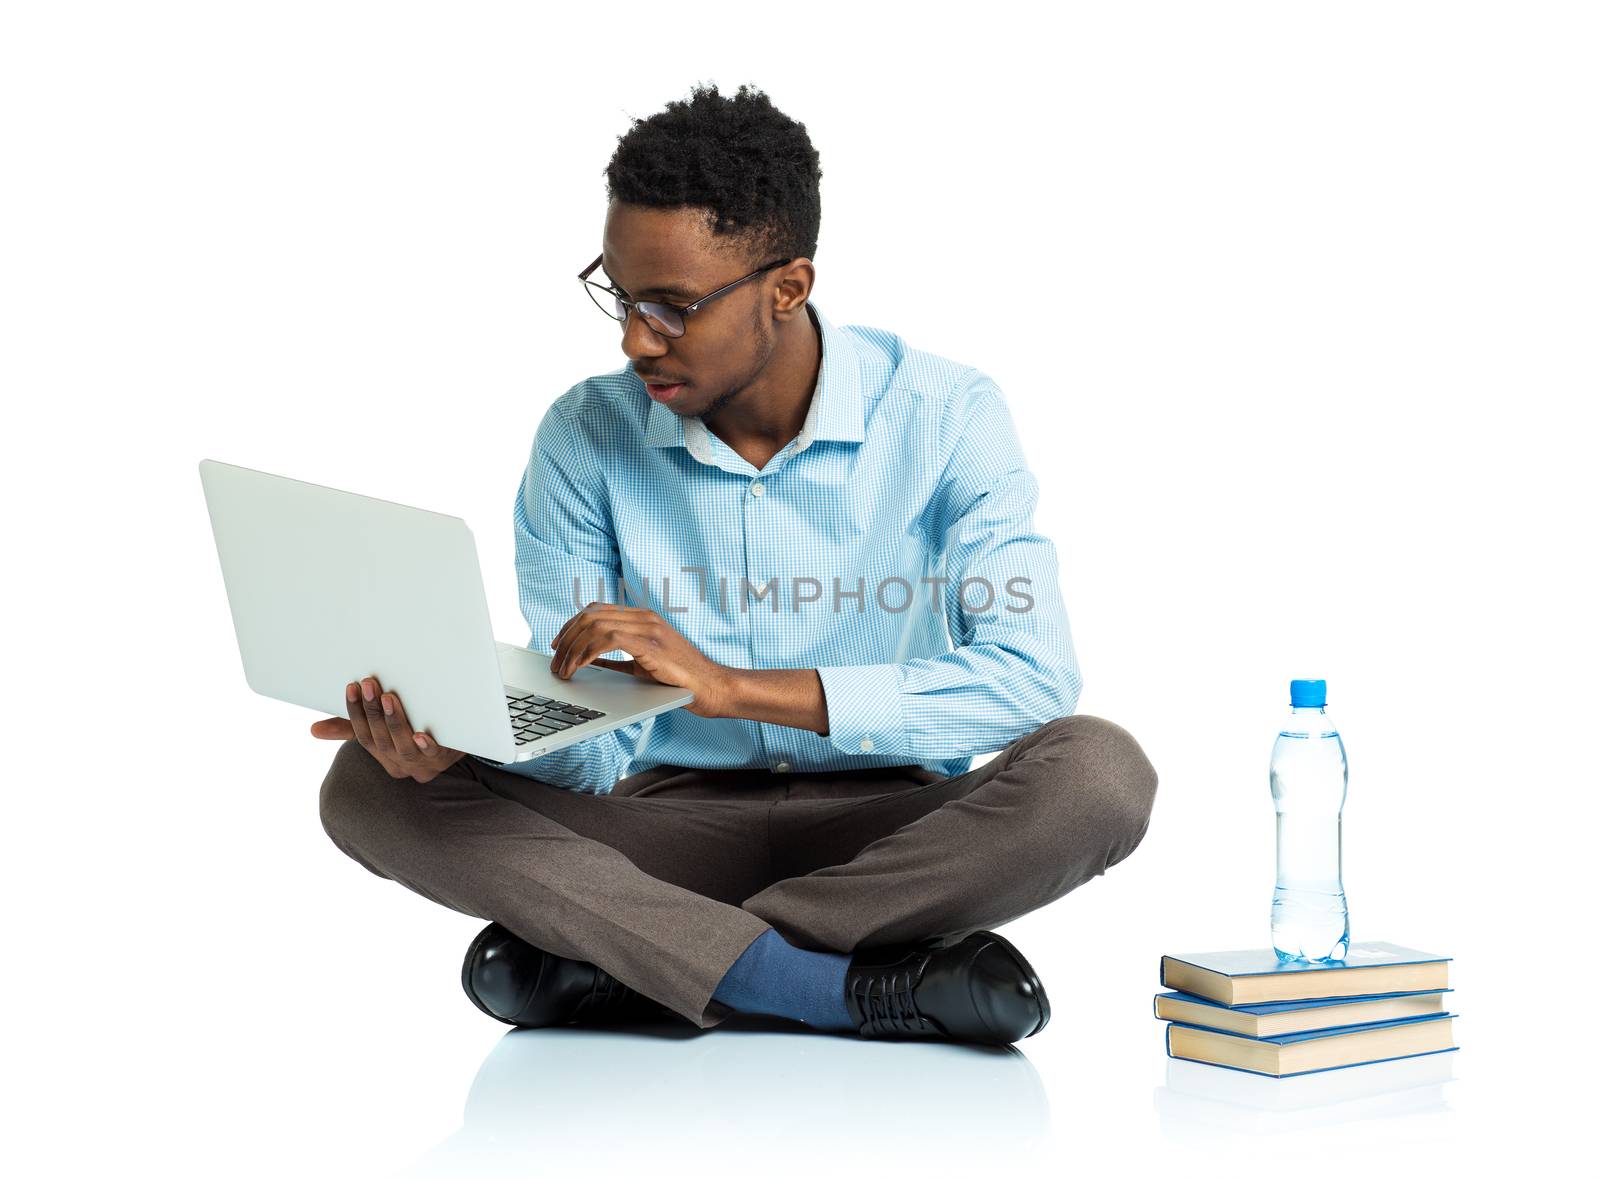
<point>638,340</point>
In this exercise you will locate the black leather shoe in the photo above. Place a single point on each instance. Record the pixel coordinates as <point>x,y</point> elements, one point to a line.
<point>520,984</point>
<point>977,990</point>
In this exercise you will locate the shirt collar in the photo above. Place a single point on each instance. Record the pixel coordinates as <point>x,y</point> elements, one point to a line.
<point>835,411</point>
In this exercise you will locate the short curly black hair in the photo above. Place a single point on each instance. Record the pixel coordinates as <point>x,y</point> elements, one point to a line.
<point>741,158</point>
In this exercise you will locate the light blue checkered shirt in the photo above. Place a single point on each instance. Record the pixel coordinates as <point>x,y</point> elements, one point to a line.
<point>907,471</point>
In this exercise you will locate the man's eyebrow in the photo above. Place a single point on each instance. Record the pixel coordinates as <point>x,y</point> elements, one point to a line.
<point>675,292</point>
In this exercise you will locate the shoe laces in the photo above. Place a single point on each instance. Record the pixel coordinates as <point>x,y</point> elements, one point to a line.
<point>606,995</point>
<point>887,1002</point>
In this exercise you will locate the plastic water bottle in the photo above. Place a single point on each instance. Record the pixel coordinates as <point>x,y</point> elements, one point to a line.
<point>1310,920</point>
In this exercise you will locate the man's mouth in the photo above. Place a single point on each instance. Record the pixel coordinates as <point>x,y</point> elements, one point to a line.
<point>663,393</point>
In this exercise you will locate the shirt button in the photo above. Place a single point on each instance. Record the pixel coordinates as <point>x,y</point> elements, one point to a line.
<point>781,767</point>
<point>866,744</point>
<point>758,489</point>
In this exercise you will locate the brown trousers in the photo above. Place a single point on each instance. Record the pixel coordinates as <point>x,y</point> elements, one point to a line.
<point>667,879</point>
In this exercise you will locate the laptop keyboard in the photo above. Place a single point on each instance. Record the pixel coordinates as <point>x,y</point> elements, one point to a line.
<point>535,717</point>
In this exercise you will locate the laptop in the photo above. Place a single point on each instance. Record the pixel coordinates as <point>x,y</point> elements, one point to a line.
<point>328,586</point>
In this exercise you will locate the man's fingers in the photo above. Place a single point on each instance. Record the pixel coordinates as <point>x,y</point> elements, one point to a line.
<point>373,712</point>
<point>582,635</point>
<point>382,727</point>
<point>405,742</point>
<point>593,612</point>
<point>358,716</point>
<point>411,747</point>
<point>631,640</point>
<point>581,615</point>
<point>565,644</point>
<point>570,632</point>
<point>335,728</point>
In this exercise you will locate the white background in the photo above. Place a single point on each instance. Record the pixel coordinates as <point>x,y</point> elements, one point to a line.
<point>1295,309</point>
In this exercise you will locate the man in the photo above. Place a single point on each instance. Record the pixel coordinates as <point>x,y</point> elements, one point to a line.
<point>805,511</point>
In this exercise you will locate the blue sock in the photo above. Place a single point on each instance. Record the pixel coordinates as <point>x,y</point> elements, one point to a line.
<point>776,978</point>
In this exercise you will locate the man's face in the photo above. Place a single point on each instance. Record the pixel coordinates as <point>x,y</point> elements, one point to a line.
<point>670,255</point>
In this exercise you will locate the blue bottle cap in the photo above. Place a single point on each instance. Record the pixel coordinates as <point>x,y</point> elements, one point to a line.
<point>1308,694</point>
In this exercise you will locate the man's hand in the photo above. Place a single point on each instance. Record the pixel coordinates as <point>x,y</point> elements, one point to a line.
<point>378,722</point>
<point>660,654</point>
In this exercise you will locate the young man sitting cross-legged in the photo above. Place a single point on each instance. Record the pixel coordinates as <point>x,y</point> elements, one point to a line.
<point>831,533</point>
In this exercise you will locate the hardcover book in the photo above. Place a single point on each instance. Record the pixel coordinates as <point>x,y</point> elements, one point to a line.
<point>1236,978</point>
<point>1269,1020</point>
<point>1314,1050</point>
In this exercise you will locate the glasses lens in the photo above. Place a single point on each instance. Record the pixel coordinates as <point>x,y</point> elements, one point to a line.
<point>663,319</point>
<point>605,301</point>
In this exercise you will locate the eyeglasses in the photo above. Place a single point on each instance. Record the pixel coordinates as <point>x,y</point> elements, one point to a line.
<point>666,319</point>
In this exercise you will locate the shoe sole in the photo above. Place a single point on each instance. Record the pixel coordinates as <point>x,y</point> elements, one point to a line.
<point>1033,981</point>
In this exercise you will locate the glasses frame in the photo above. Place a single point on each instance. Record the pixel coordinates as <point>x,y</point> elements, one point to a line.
<point>684,311</point>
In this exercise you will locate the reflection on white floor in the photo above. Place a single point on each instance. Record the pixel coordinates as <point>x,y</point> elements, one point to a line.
<point>1201,1102</point>
<point>750,1094</point>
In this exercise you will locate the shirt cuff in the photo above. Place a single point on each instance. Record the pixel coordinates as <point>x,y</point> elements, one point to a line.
<point>863,702</point>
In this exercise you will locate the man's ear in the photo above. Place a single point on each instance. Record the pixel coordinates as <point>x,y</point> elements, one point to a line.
<point>795,283</point>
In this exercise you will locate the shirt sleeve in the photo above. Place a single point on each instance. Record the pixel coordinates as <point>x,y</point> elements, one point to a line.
<point>1013,667</point>
<point>564,533</point>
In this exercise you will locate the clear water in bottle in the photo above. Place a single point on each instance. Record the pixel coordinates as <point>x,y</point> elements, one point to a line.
<point>1310,920</point>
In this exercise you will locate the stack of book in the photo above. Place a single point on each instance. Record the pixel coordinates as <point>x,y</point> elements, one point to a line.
<point>1247,1010</point>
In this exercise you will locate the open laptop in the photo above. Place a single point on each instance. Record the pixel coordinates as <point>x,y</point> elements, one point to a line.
<point>327,587</point>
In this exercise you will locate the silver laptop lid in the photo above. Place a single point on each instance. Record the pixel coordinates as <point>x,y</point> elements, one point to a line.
<point>328,586</point>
